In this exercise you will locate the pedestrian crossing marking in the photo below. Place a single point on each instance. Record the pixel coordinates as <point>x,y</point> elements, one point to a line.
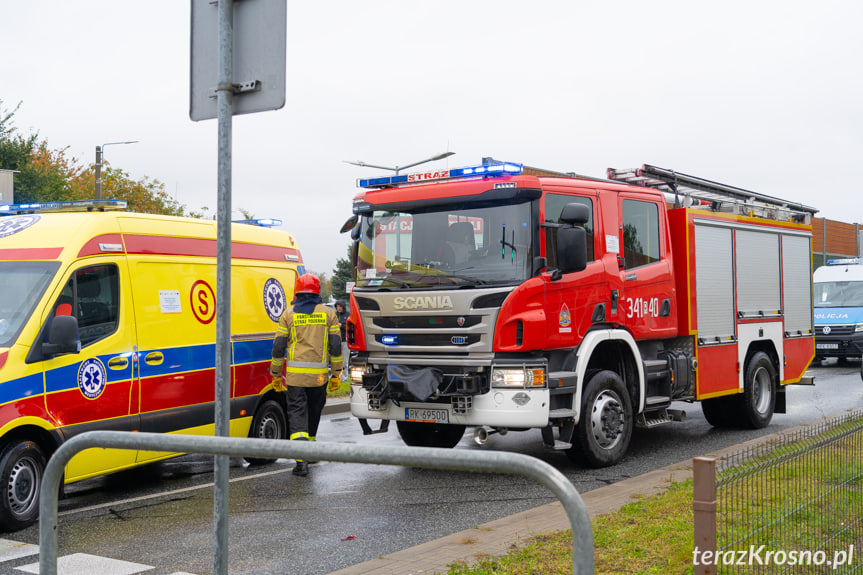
<point>10,550</point>
<point>86,564</point>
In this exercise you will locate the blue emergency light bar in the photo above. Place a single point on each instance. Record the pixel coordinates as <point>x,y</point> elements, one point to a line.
<point>499,169</point>
<point>847,261</point>
<point>263,222</point>
<point>69,206</point>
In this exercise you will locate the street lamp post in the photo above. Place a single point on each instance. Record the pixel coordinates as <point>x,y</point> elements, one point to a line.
<point>396,169</point>
<point>99,159</point>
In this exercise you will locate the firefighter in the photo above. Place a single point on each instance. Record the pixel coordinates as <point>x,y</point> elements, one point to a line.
<point>309,333</point>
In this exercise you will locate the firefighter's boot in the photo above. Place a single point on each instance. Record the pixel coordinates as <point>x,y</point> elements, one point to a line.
<point>301,469</point>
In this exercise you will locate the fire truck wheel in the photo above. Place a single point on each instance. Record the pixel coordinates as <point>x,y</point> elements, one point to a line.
<point>269,423</point>
<point>22,465</point>
<point>418,434</point>
<point>605,427</point>
<point>759,392</point>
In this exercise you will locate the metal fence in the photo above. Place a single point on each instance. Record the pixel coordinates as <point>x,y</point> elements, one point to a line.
<point>794,504</point>
<point>423,457</point>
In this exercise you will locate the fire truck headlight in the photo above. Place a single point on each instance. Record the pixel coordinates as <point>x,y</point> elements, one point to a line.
<point>522,377</point>
<point>858,327</point>
<point>357,372</point>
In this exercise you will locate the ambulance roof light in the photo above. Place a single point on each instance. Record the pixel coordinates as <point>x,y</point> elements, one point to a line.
<point>68,206</point>
<point>263,222</point>
<point>845,261</point>
<point>496,169</point>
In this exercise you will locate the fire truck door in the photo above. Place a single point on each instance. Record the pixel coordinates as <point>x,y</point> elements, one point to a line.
<point>646,301</point>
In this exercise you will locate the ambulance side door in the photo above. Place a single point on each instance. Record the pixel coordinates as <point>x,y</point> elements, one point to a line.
<point>95,389</point>
<point>175,307</point>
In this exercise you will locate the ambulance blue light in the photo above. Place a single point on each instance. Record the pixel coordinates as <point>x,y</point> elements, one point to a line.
<point>69,206</point>
<point>264,222</point>
<point>499,169</point>
<point>390,339</point>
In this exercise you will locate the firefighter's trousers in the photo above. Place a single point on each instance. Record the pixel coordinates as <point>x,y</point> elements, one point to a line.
<point>305,405</point>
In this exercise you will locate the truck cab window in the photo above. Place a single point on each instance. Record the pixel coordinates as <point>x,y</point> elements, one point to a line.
<point>640,233</point>
<point>553,205</point>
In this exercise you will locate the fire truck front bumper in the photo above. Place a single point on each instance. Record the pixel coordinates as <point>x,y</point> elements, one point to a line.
<point>512,408</point>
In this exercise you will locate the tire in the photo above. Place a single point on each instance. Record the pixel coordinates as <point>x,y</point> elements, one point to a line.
<point>604,429</point>
<point>759,392</point>
<point>418,434</point>
<point>22,466</point>
<point>269,423</point>
<point>721,411</point>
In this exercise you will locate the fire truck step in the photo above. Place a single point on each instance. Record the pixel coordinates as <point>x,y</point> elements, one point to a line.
<point>561,413</point>
<point>653,419</point>
<point>561,445</point>
<point>657,400</point>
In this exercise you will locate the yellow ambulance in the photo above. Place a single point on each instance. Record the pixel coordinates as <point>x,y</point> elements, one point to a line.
<point>107,322</point>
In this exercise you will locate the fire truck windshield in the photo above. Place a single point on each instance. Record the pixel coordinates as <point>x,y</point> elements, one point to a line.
<point>445,248</point>
<point>22,285</point>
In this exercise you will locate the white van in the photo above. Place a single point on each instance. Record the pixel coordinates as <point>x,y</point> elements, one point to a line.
<point>839,309</point>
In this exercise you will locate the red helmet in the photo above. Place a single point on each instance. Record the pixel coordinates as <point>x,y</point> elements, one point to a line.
<point>307,283</point>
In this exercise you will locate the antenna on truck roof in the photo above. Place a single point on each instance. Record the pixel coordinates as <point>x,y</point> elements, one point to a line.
<point>722,197</point>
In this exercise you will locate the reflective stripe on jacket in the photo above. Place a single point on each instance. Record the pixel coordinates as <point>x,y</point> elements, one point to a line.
<point>308,346</point>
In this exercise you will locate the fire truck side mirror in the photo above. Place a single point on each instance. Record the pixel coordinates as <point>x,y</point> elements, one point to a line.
<point>572,239</point>
<point>575,214</point>
<point>571,249</point>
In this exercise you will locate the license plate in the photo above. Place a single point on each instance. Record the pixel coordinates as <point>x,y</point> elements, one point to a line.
<point>826,346</point>
<point>426,415</point>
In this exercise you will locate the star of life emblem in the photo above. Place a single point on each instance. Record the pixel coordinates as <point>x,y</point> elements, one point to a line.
<point>275,301</point>
<point>92,378</point>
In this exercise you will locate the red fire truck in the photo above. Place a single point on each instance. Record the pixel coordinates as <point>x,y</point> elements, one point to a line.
<point>508,298</point>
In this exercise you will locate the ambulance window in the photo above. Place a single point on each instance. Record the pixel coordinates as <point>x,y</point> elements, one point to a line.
<point>553,205</point>
<point>92,295</point>
<point>22,285</point>
<point>640,233</point>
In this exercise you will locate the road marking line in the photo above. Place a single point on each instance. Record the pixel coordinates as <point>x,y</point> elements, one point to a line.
<point>85,564</point>
<point>167,493</point>
<point>10,550</point>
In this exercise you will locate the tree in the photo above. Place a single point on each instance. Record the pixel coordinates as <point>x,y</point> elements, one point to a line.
<point>342,274</point>
<point>49,175</point>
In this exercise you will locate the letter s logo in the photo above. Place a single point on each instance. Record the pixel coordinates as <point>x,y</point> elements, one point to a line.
<point>203,302</point>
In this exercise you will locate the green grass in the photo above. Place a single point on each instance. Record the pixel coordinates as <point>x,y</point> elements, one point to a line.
<point>816,494</point>
<point>631,540</point>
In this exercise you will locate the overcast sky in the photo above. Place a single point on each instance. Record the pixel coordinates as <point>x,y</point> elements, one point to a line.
<point>766,96</point>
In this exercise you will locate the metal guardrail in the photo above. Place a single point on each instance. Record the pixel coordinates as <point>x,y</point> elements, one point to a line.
<point>421,457</point>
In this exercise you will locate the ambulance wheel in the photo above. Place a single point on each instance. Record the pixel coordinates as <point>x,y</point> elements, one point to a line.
<point>605,427</point>
<point>418,434</point>
<point>721,411</point>
<point>759,392</point>
<point>269,423</point>
<point>22,465</point>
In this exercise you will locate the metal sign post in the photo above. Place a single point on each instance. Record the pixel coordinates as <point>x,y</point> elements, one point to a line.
<point>256,56</point>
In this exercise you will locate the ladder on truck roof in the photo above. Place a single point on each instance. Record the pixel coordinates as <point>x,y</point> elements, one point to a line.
<point>720,197</point>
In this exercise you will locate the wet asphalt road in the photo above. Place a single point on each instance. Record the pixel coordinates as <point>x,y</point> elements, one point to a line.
<point>343,514</point>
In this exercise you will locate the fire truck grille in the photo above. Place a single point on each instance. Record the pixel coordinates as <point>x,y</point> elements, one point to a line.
<point>427,322</point>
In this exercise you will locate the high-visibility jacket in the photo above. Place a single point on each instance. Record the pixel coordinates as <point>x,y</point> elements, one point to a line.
<point>308,346</point>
